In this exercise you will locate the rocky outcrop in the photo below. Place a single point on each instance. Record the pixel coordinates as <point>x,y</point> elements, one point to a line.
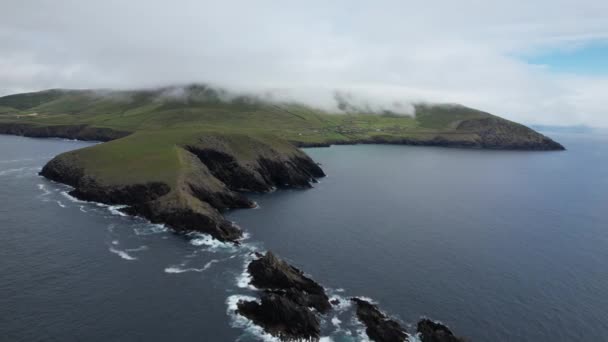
<point>259,175</point>
<point>210,173</point>
<point>78,132</point>
<point>285,306</point>
<point>378,326</point>
<point>497,133</point>
<point>281,316</point>
<point>270,272</point>
<point>430,331</point>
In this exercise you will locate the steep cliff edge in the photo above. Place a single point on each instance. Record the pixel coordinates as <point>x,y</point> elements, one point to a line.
<point>183,179</point>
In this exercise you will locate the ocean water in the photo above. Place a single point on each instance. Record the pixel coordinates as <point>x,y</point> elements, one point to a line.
<point>499,245</point>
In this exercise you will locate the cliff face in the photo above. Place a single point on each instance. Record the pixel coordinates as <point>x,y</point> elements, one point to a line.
<point>498,133</point>
<point>210,173</point>
<point>79,132</point>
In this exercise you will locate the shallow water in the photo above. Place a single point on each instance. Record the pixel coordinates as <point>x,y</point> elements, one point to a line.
<point>501,246</point>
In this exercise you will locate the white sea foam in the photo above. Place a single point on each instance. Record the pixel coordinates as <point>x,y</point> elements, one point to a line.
<point>122,254</point>
<point>138,249</point>
<point>150,229</point>
<point>326,339</point>
<point>211,244</point>
<point>71,198</point>
<point>343,303</point>
<point>45,191</point>
<point>367,299</point>
<point>178,269</point>
<point>82,208</point>
<point>115,242</point>
<point>238,321</point>
<point>336,322</point>
<point>360,330</point>
<point>115,209</point>
<point>61,204</point>
<point>339,290</point>
<point>414,338</point>
<point>243,280</point>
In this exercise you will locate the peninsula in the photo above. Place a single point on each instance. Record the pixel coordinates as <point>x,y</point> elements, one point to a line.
<point>183,160</point>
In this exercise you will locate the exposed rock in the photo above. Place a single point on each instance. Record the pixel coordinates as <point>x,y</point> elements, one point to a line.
<point>270,272</point>
<point>286,304</point>
<point>379,327</point>
<point>282,317</point>
<point>79,132</point>
<point>498,133</point>
<point>435,332</point>
<point>193,194</point>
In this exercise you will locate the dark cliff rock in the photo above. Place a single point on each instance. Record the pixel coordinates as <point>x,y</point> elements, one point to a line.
<point>259,175</point>
<point>282,317</point>
<point>78,132</point>
<point>430,331</point>
<point>498,133</point>
<point>211,169</point>
<point>285,309</point>
<point>270,272</point>
<point>379,327</point>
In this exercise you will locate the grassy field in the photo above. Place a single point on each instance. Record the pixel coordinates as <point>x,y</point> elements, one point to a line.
<point>162,125</point>
<point>203,109</point>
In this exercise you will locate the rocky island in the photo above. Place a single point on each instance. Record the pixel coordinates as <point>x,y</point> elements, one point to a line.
<point>183,161</point>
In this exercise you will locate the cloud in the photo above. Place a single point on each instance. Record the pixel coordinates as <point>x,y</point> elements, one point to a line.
<point>391,51</point>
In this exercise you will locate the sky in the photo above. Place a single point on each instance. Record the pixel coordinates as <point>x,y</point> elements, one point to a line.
<point>536,62</point>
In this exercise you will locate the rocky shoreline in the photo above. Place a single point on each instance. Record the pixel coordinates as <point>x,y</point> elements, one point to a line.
<point>216,175</point>
<point>212,178</point>
<point>491,133</point>
<point>291,306</point>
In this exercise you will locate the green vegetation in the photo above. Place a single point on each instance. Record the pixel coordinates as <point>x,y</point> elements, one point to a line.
<point>181,155</point>
<point>163,121</point>
<point>203,108</point>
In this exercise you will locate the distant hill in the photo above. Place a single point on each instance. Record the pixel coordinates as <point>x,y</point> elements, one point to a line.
<point>211,109</point>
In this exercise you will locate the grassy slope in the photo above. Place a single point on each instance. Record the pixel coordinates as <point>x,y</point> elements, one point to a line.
<point>136,111</point>
<point>163,124</point>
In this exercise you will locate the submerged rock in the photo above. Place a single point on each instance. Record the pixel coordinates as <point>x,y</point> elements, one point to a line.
<point>379,327</point>
<point>430,331</point>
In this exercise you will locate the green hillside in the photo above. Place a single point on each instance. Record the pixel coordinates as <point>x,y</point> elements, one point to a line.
<point>205,108</point>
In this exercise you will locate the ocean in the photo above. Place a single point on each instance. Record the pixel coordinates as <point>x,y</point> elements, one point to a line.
<point>498,245</point>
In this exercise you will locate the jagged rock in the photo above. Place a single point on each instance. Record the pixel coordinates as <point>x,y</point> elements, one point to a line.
<point>281,316</point>
<point>379,327</point>
<point>435,332</point>
<point>270,272</point>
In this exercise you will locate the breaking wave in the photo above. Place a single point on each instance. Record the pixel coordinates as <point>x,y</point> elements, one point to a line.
<point>122,254</point>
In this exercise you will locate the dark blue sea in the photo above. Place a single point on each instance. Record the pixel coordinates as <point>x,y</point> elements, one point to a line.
<point>498,245</point>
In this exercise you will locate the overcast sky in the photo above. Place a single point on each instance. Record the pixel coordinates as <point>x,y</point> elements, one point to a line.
<point>483,54</point>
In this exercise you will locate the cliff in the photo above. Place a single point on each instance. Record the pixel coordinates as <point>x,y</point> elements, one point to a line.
<point>183,179</point>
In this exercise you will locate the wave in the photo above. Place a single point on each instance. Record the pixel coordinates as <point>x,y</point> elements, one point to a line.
<point>241,322</point>
<point>177,269</point>
<point>150,229</point>
<point>211,244</point>
<point>45,191</point>
<point>17,170</point>
<point>115,209</point>
<point>71,198</point>
<point>122,254</point>
<point>243,280</point>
